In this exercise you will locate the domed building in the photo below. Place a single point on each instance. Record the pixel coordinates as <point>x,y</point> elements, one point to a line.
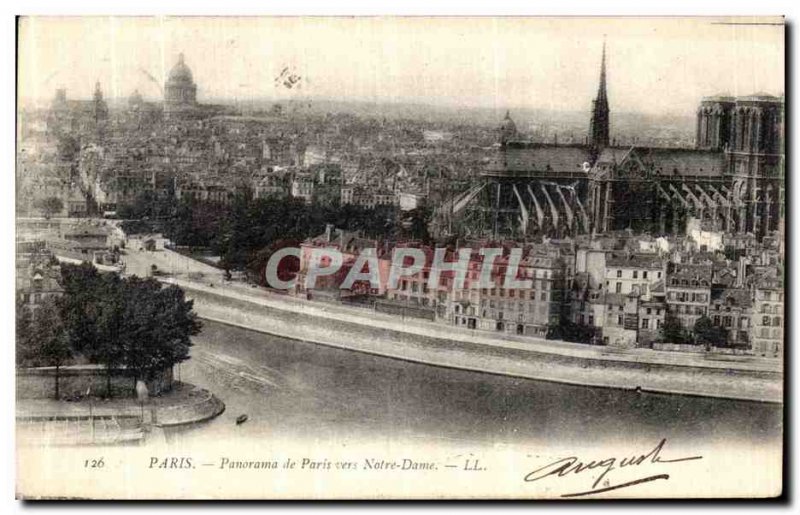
<point>180,90</point>
<point>135,101</point>
<point>507,130</point>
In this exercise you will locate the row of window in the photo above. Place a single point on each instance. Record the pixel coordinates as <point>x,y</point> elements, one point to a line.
<point>641,288</point>
<point>33,298</point>
<point>416,285</point>
<point>424,301</point>
<point>500,315</point>
<point>635,274</point>
<point>774,321</point>
<point>728,321</point>
<point>724,321</point>
<point>543,297</point>
<point>769,295</point>
<point>693,282</point>
<point>682,296</point>
<point>686,310</point>
<point>537,285</point>
<point>765,332</point>
<point>646,323</point>
<point>766,308</point>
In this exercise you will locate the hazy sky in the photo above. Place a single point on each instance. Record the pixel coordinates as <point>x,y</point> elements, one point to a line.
<point>654,65</point>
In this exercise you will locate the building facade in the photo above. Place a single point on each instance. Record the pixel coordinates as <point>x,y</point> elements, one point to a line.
<point>768,320</point>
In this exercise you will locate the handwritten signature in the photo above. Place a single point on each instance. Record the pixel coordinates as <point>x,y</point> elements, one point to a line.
<point>573,465</point>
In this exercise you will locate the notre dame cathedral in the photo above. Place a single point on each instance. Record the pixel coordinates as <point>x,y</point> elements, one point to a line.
<point>732,180</point>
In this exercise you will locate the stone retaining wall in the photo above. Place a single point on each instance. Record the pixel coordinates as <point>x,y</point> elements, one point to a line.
<point>573,365</point>
<point>74,381</point>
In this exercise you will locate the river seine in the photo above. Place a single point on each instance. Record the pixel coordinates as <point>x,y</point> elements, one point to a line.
<point>290,389</point>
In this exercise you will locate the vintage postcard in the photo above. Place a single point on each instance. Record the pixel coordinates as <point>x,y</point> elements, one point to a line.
<point>400,257</point>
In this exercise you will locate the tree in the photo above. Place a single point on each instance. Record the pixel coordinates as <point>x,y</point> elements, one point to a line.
<point>148,206</point>
<point>51,206</point>
<point>92,308</point>
<point>24,343</point>
<point>107,313</point>
<point>68,148</point>
<point>707,334</point>
<point>569,331</point>
<point>193,224</point>
<point>132,323</point>
<point>80,306</point>
<point>156,327</point>
<point>672,330</point>
<point>239,231</point>
<point>288,267</point>
<point>415,224</point>
<point>42,338</point>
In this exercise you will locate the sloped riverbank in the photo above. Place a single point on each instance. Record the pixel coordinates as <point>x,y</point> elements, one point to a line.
<point>440,345</point>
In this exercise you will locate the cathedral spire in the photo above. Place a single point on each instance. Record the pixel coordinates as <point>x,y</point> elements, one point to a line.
<point>601,90</point>
<point>599,126</point>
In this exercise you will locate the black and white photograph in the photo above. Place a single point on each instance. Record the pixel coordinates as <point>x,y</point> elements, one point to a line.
<point>391,257</point>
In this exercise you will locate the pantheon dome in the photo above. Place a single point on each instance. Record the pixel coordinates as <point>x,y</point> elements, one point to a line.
<point>180,89</point>
<point>507,129</point>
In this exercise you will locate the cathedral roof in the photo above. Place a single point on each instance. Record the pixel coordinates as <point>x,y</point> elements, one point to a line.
<point>533,157</point>
<point>686,162</point>
<point>666,161</point>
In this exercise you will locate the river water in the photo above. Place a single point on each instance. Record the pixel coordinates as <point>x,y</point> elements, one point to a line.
<point>292,389</point>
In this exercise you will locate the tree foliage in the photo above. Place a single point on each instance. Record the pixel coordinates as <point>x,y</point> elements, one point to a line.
<point>51,206</point>
<point>68,148</point>
<point>709,335</point>
<point>41,337</point>
<point>569,331</point>
<point>132,323</point>
<point>25,351</point>
<point>155,327</point>
<point>242,229</point>
<point>672,330</point>
<point>250,226</point>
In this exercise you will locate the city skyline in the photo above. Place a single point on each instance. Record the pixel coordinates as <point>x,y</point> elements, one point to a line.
<point>391,60</point>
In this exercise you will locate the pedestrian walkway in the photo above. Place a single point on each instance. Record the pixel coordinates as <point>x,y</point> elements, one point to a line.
<point>98,420</point>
